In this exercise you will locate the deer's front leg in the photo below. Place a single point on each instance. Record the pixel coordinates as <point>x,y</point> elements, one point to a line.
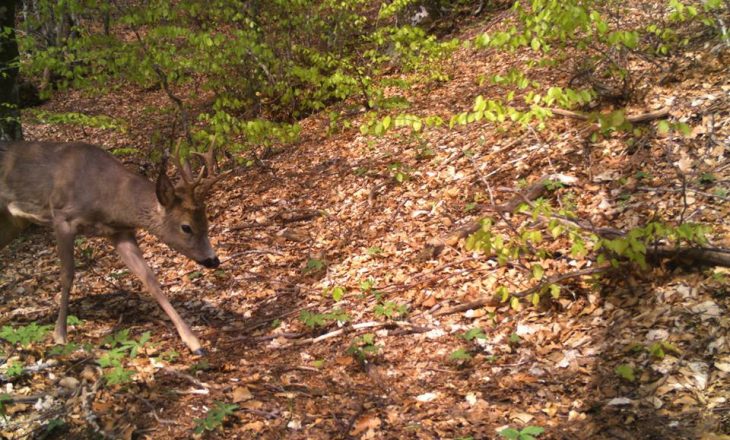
<point>129,251</point>
<point>65,235</point>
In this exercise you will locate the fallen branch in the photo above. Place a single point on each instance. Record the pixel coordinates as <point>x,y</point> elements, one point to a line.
<point>360,326</point>
<point>187,377</point>
<point>338,332</point>
<point>10,400</point>
<point>252,252</point>
<point>680,190</point>
<point>30,370</point>
<point>690,256</point>
<point>286,217</point>
<point>634,119</point>
<point>297,216</point>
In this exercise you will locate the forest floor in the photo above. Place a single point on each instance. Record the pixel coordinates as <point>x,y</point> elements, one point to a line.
<point>329,212</point>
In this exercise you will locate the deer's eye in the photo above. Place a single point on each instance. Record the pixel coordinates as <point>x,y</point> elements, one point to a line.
<point>186,229</point>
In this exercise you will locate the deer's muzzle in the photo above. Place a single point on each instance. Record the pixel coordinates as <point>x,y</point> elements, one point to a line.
<point>210,263</point>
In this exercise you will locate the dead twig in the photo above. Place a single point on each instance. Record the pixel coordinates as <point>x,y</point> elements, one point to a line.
<point>87,396</point>
<point>187,377</point>
<point>680,190</point>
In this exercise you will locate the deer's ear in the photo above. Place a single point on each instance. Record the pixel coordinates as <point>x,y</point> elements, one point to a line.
<point>165,190</point>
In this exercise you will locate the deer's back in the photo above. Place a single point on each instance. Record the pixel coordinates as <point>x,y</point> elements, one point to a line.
<point>42,180</point>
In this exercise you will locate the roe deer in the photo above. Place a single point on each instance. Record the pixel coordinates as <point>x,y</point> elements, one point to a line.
<point>78,188</point>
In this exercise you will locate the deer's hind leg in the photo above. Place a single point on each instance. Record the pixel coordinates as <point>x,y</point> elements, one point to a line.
<point>65,234</point>
<point>10,227</point>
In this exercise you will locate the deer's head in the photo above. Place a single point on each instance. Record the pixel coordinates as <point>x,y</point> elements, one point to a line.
<point>184,225</point>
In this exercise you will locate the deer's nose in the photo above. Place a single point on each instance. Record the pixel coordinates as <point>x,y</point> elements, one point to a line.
<point>211,263</point>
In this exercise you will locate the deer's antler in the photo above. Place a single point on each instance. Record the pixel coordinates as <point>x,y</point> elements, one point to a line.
<point>208,175</point>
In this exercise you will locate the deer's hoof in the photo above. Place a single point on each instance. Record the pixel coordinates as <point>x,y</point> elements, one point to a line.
<point>200,352</point>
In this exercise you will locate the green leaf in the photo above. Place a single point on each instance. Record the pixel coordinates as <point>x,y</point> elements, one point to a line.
<point>534,299</point>
<point>474,333</point>
<point>663,127</point>
<point>533,430</point>
<point>514,302</point>
<point>535,44</point>
<point>510,433</point>
<point>386,122</point>
<point>554,291</point>
<point>537,271</point>
<point>626,371</point>
<point>338,292</point>
<point>461,354</point>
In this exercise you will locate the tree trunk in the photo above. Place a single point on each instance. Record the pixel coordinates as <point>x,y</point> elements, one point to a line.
<point>9,111</point>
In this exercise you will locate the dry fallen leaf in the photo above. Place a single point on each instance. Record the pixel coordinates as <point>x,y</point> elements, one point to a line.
<point>255,426</point>
<point>366,422</point>
<point>241,394</point>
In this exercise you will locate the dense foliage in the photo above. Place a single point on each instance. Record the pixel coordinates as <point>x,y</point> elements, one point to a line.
<point>258,65</point>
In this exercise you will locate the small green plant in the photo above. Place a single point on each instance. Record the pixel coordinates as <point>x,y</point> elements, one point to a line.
<point>390,310</point>
<point>660,348</point>
<point>314,265</point>
<point>708,179</point>
<point>374,251</point>
<point>425,152</point>
<point>474,334</point>
<point>553,185</point>
<point>73,320</point>
<point>169,356</point>
<point>399,171</point>
<point>118,375</point>
<point>463,355</point>
<point>626,372</point>
<point>527,433</point>
<point>122,340</point>
<point>121,347</point>
<point>666,127</point>
<point>337,292</point>
<point>80,119</point>
<point>25,335</point>
<point>63,350</point>
<point>363,347</point>
<point>367,285</point>
<point>52,427</point>
<point>215,417</point>
<point>202,365</point>
<point>313,320</point>
<point>460,355</point>
<point>15,369</point>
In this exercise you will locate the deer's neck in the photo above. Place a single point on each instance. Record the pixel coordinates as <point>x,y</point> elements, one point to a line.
<point>144,212</point>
